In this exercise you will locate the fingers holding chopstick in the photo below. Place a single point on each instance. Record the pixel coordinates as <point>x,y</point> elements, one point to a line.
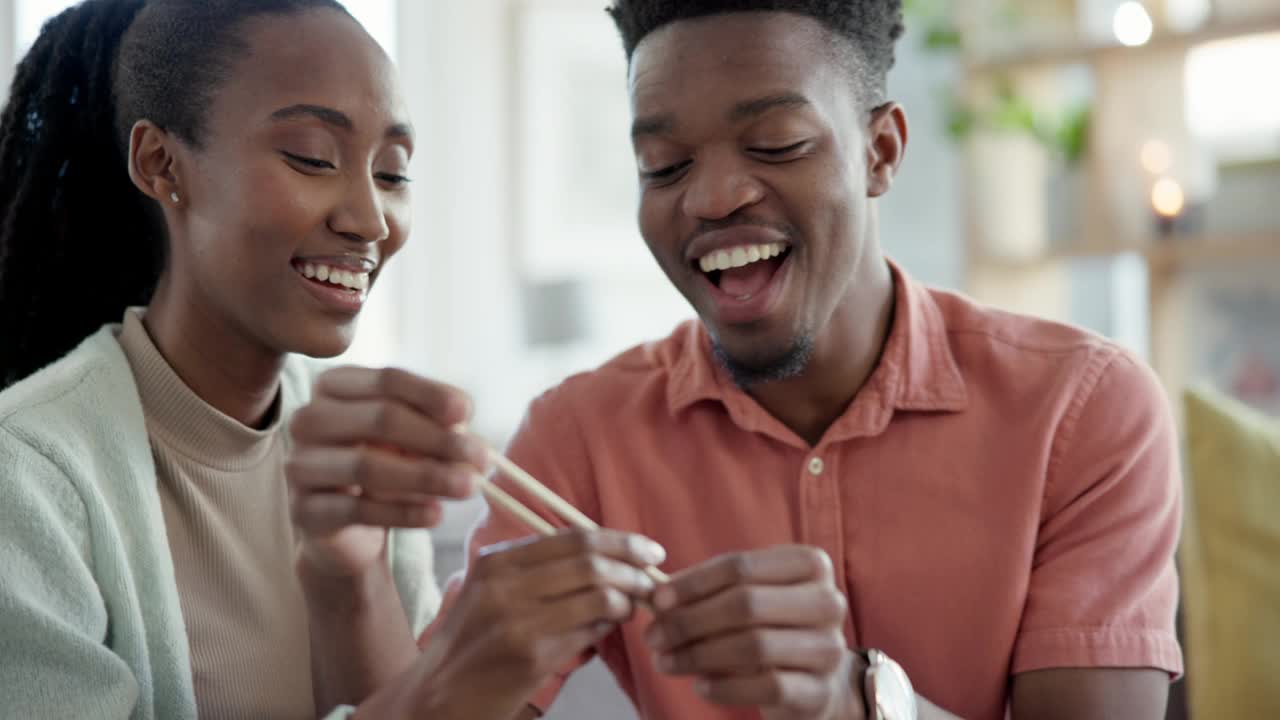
<point>556,504</point>
<point>629,547</point>
<point>378,471</point>
<point>527,608</point>
<point>326,513</point>
<point>446,404</point>
<point>376,448</point>
<point>390,408</point>
<point>603,568</point>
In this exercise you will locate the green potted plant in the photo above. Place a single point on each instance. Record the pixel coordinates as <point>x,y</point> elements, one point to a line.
<point>1063,134</point>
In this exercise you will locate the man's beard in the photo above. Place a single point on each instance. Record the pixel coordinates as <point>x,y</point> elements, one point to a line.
<point>789,364</point>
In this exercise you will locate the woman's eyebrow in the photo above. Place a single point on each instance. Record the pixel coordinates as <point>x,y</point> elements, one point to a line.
<point>327,115</point>
<point>336,118</point>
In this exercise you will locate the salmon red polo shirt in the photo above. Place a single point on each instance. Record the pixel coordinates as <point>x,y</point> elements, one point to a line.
<point>1003,495</point>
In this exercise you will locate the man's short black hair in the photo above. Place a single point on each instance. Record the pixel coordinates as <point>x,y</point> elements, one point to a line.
<point>870,27</point>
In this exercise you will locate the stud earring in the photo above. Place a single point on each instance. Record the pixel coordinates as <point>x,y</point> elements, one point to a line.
<point>174,197</point>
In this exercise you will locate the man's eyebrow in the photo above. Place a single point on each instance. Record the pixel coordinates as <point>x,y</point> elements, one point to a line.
<point>745,110</point>
<point>749,109</point>
<point>653,125</point>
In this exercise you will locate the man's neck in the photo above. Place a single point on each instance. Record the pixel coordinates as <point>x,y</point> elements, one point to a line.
<point>233,374</point>
<point>844,357</point>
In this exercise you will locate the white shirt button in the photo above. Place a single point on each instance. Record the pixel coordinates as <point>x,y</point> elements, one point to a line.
<point>815,466</point>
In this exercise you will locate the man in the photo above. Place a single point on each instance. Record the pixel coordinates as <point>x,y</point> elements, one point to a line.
<point>836,458</point>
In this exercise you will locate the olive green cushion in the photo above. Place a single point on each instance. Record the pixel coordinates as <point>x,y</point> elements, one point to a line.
<point>1231,559</point>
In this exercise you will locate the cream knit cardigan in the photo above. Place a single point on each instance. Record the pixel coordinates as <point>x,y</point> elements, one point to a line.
<point>90,625</point>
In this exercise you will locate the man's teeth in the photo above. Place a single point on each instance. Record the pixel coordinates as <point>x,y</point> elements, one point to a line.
<point>739,256</point>
<point>337,276</point>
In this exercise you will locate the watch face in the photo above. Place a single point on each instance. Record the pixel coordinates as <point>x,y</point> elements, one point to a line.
<point>891,691</point>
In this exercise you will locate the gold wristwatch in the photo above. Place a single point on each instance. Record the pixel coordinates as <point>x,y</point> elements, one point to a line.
<point>887,689</point>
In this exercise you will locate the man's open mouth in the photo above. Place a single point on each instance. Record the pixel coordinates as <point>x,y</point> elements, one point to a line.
<point>741,272</point>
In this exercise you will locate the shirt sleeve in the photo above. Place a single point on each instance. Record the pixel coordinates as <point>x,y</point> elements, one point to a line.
<point>53,621</point>
<point>412,566</point>
<point>1103,587</point>
<point>548,446</point>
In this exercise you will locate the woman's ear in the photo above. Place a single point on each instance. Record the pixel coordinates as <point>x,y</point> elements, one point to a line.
<point>153,163</point>
<point>886,146</point>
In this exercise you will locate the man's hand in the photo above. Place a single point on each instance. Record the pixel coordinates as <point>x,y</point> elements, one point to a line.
<point>525,611</point>
<point>764,629</point>
<point>375,449</point>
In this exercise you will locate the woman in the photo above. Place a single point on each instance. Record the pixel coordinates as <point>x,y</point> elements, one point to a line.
<point>237,167</point>
<point>173,154</point>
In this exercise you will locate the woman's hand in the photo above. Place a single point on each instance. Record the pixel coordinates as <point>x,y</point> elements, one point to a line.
<point>375,449</point>
<point>525,612</point>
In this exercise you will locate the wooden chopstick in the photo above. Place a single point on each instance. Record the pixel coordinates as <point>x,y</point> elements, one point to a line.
<point>529,484</point>
<point>554,502</point>
<point>525,515</point>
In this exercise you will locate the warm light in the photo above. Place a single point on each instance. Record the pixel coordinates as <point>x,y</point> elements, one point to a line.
<point>1156,157</point>
<point>1132,24</point>
<point>1167,198</point>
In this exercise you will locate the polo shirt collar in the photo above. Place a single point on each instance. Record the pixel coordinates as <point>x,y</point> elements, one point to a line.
<point>917,372</point>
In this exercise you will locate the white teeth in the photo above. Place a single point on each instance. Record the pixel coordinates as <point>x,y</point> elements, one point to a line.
<point>358,281</point>
<point>739,256</point>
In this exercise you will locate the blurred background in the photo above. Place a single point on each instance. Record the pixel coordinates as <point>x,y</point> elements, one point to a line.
<point>1111,164</point>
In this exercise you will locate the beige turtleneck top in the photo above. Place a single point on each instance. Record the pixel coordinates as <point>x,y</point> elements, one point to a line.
<point>226,510</point>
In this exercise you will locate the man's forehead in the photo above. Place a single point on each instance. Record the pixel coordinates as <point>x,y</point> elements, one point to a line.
<point>782,51</point>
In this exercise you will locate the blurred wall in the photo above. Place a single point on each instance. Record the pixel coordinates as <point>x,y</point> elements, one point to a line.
<point>921,219</point>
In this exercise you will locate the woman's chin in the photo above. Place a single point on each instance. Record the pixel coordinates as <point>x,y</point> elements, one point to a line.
<point>328,344</point>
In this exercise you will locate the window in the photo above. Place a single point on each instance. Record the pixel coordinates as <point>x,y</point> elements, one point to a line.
<point>30,16</point>
<point>378,339</point>
<point>1226,104</point>
<point>379,18</point>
